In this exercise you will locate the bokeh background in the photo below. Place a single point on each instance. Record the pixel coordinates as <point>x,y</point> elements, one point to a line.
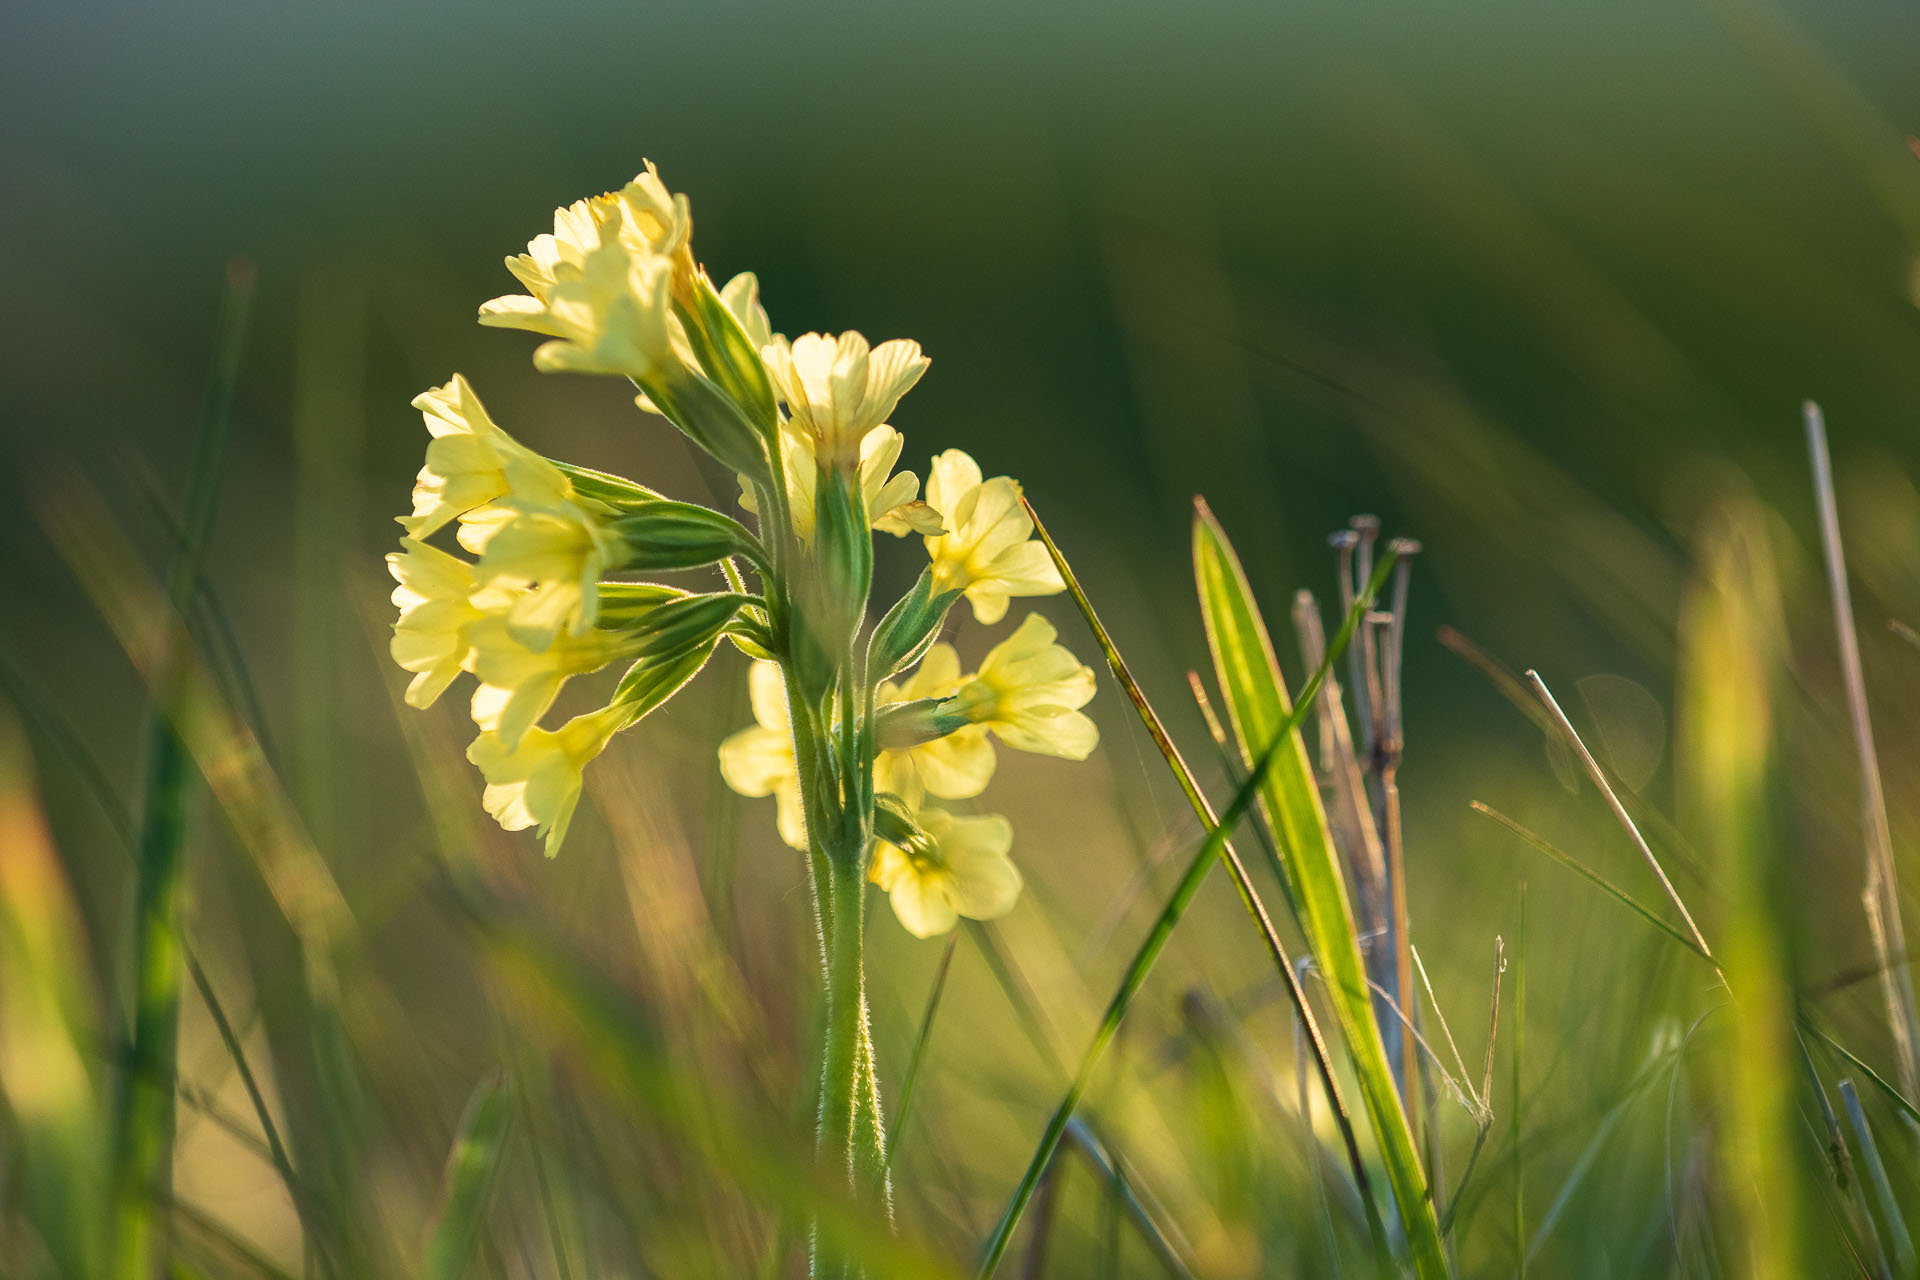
<point>1534,283</point>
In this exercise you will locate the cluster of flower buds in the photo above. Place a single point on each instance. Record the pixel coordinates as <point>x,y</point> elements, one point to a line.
<point>858,726</point>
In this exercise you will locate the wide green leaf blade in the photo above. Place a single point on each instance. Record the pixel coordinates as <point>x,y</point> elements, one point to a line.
<point>1257,703</point>
<point>468,1187</point>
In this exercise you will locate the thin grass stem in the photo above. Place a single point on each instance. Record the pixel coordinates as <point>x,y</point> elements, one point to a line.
<point>1881,896</point>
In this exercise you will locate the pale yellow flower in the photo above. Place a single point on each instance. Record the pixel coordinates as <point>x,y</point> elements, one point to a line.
<point>437,614</point>
<point>837,390</point>
<point>891,497</point>
<point>643,215</point>
<point>987,550</point>
<point>518,684</point>
<point>471,462</point>
<point>760,761</point>
<point>956,767</point>
<point>1029,692</point>
<point>962,869</point>
<point>557,553</point>
<point>537,782</point>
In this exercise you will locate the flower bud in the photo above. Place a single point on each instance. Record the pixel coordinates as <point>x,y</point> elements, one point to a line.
<point>903,636</point>
<point>906,725</point>
<point>681,535</point>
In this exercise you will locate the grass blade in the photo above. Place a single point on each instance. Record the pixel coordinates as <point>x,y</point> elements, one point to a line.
<point>52,1101</point>
<point>1156,940</point>
<point>1882,1186</point>
<point>1732,653</point>
<point>144,1115</point>
<point>1882,894</point>
<point>1263,717</point>
<point>1599,881</point>
<point>1243,883</point>
<point>1599,777</point>
<point>473,1166</point>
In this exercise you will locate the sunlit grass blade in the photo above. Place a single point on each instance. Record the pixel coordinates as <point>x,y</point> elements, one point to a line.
<point>52,1100</point>
<point>473,1167</point>
<point>144,1115</point>
<point>1243,883</point>
<point>1732,655</point>
<point>1854,1060</point>
<point>1597,880</point>
<point>1265,721</point>
<point>1156,940</point>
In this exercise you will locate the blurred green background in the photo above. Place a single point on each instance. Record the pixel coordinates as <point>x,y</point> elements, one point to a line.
<point>1529,281</point>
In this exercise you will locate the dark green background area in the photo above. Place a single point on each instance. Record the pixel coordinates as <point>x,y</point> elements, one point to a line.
<point>1532,281</point>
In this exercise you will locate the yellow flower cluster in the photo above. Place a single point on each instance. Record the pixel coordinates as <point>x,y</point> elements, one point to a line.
<point>538,598</point>
<point>1027,693</point>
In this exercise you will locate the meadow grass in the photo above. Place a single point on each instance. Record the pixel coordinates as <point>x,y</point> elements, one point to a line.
<point>613,1073</point>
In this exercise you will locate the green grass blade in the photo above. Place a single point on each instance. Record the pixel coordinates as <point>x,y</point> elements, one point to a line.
<point>1156,940</point>
<point>1243,883</point>
<point>473,1166</point>
<point>1882,1185</point>
<point>144,1123</point>
<point>1597,880</point>
<point>1264,720</point>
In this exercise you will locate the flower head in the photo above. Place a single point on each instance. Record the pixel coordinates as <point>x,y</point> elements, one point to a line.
<point>837,389</point>
<point>437,613</point>
<point>1029,692</point>
<point>471,462</point>
<point>760,761</point>
<point>537,782</point>
<point>556,553</point>
<point>987,549</point>
<point>518,684</point>
<point>960,869</point>
<point>601,284</point>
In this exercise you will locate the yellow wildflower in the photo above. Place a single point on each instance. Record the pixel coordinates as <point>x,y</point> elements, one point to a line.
<point>471,462</point>
<point>518,684</point>
<point>436,614</point>
<point>956,767</point>
<point>891,498</point>
<point>837,390</point>
<point>987,550</point>
<point>961,869</point>
<point>1029,692</point>
<point>557,553</point>
<point>537,782</point>
<point>643,215</point>
<point>760,761</point>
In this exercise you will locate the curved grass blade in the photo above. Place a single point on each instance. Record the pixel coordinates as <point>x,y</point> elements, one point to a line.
<point>1249,896</point>
<point>1156,940</point>
<point>1263,719</point>
<point>1595,878</point>
<point>473,1166</point>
